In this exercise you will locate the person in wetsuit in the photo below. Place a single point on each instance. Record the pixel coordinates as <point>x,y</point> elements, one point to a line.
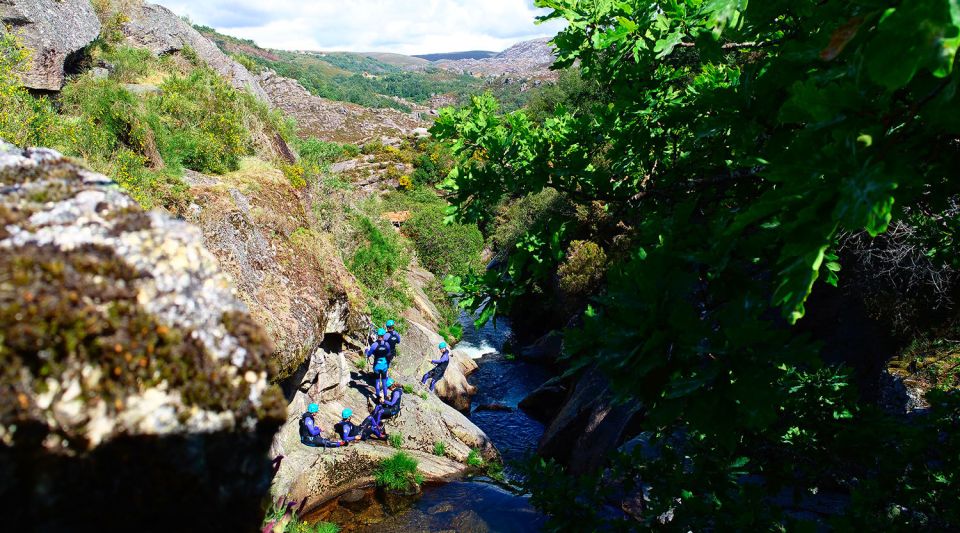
<point>393,339</point>
<point>388,408</point>
<point>346,428</point>
<point>380,352</point>
<point>310,433</point>
<point>436,373</point>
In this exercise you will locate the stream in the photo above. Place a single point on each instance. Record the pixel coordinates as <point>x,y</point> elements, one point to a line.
<point>479,504</point>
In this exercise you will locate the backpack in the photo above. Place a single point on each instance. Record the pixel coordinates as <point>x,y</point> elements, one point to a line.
<point>304,432</point>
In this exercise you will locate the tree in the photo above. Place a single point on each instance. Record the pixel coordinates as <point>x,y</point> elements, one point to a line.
<point>738,141</point>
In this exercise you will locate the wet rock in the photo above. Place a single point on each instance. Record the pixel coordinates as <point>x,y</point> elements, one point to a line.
<point>132,374</point>
<point>445,507</point>
<point>546,349</point>
<point>162,32</point>
<point>546,401</point>
<point>55,31</point>
<point>470,522</point>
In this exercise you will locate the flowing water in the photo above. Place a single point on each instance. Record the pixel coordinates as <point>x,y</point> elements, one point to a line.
<point>480,504</point>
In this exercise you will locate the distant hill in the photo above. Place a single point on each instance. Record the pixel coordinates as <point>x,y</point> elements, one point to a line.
<point>525,60</point>
<point>397,60</point>
<point>456,56</point>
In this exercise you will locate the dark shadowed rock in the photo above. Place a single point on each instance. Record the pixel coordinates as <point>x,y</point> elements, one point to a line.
<point>588,427</point>
<point>546,349</point>
<point>54,31</point>
<point>159,30</point>
<point>546,401</point>
<point>135,388</point>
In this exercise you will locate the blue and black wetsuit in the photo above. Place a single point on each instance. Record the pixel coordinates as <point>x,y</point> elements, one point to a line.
<point>393,339</point>
<point>389,408</point>
<point>380,351</point>
<point>347,430</point>
<point>436,373</point>
<point>311,435</point>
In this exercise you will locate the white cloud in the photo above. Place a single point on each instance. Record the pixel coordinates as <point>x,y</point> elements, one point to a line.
<point>401,26</point>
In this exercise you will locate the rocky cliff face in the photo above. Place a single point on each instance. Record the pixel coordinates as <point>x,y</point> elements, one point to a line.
<point>159,30</point>
<point>131,374</point>
<point>291,277</point>
<point>334,121</point>
<point>54,31</point>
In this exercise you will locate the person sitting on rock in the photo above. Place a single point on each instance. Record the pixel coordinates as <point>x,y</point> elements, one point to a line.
<point>380,352</point>
<point>393,339</point>
<point>310,433</point>
<point>436,373</point>
<point>371,428</point>
<point>347,431</point>
<point>389,408</point>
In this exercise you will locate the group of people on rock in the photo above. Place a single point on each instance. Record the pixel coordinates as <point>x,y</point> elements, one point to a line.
<point>388,395</point>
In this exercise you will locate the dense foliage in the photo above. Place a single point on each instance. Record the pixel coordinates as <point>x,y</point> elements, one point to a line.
<point>733,145</point>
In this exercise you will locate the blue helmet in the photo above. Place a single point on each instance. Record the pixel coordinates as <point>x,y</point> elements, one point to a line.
<point>389,383</point>
<point>381,332</point>
<point>442,346</point>
<point>313,408</point>
<point>347,413</point>
<point>390,323</point>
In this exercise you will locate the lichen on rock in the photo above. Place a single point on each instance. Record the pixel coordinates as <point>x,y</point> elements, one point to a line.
<point>127,363</point>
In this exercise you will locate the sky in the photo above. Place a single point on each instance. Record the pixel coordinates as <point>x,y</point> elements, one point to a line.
<point>399,26</point>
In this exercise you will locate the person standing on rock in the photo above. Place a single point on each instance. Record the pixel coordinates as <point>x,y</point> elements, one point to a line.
<point>436,373</point>
<point>393,339</point>
<point>310,433</point>
<point>348,432</point>
<point>380,352</point>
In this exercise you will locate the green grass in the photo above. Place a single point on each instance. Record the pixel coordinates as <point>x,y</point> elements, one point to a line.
<point>424,396</point>
<point>398,472</point>
<point>475,459</point>
<point>439,449</point>
<point>379,258</point>
<point>197,121</point>
<point>395,440</point>
<point>360,363</point>
<point>408,389</point>
<point>277,511</point>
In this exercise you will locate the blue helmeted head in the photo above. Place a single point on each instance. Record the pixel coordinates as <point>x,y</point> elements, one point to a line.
<point>313,408</point>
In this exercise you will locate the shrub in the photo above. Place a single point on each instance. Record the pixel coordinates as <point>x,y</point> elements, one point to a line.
<point>583,269</point>
<point>24,120</point>
<point>379,258</point>
<point>130,64</point>
<point>398,472</point>
<point>405,183</point>
<point>208,118</point>
<point>474,458</point>
<point>444,249</point>
<point>395,440</point>
<point>408,389</point>
<point>247,63</point>
<point>439,449</point>
<point>516,217</point>
<point>295,174</point>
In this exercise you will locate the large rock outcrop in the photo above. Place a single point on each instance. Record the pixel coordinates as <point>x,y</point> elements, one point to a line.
<point>333,380</point>
<point>334,121</point>
<point>130,374</point>
<point>312,476</point>
<point>54,31</point>
<point>589,426</point>
<point>159,30</point>
<point>291,277</point>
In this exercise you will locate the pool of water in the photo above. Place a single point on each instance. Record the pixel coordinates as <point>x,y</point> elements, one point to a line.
<point>502,381</point>
<point>473,506</point>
